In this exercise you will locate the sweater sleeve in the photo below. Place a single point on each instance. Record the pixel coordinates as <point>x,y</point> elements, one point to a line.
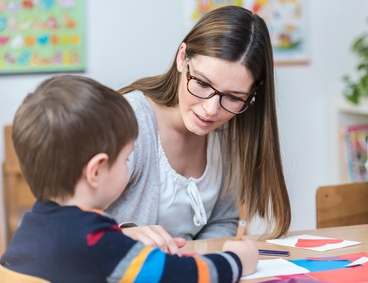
<point>148,264</point>
<point>138,202</point>
<point>223,220</point>
<point>118,258</point>
<point>142,151</point>
<point>224,217</point>
<point>122,259</point>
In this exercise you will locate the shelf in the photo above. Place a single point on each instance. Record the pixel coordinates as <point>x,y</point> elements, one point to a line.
<point>341,115</point>
<point>347,107</point>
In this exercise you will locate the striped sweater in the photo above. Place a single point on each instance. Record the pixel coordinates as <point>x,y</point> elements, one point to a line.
<point>67,244</point>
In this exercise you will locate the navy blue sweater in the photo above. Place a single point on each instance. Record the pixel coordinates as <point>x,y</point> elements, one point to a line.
<point>67,244</point>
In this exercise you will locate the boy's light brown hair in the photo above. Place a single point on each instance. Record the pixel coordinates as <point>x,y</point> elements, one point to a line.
<point>62,125</point>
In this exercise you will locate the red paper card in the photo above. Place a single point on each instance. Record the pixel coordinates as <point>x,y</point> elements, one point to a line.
<point>358,274</point>
<point>353,257</point>
<point>313,243</point>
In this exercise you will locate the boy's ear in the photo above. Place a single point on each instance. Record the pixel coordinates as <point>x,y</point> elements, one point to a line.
<point>95,167</point>
<point>181,57</point>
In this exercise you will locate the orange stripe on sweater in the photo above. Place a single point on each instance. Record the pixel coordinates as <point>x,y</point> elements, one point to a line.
<point>203,272</point>
<point>136,265</point>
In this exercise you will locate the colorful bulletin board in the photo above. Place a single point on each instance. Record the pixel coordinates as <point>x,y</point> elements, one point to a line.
<point>285,19</point>
<point>42,36</point>
<point>286,22</point>
<point>201,7</point>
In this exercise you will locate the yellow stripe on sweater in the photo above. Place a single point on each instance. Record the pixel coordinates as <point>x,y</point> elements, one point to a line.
<point>203,272</point>
<point>136,265</point>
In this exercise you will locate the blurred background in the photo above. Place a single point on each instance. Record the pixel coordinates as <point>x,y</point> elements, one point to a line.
<point>126,40</point>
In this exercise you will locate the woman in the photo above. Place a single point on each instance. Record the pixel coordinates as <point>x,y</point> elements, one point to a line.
<point>208,138</point>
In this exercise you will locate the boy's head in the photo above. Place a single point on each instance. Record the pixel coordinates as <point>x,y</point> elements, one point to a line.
<point>63,125</point>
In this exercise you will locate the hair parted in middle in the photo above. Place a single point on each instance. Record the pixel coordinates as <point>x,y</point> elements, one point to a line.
<point>254,169</point>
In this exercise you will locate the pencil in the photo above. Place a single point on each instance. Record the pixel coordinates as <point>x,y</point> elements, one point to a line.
<point>273,252</point>
<point>242,228</point>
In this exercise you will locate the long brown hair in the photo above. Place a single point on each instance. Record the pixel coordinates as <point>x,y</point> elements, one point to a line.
<point>252,144</point>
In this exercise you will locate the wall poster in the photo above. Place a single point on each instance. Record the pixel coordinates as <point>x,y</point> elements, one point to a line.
<point>286,21</point>
<point>42,36</point>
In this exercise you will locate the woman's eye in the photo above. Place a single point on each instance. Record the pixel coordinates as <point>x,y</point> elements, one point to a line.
<point>202,84</point>
<point>234,98</point>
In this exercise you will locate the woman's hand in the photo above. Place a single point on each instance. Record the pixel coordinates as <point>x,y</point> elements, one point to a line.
<point>157,236</point>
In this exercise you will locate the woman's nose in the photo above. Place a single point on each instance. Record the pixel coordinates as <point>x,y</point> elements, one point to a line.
<point>212,105</point>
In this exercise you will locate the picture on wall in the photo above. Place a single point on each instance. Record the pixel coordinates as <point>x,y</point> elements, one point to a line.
<point>42,36</point>
<point>285,19</point>
<point>200,8</point>
<point>286,22</point>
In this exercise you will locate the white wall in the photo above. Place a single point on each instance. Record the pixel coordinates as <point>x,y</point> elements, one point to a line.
<point>304,94</point>
<point>125,40</point>
<point>129,39</point>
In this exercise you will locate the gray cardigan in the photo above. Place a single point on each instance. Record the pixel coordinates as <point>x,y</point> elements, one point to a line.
<point>140,201</point>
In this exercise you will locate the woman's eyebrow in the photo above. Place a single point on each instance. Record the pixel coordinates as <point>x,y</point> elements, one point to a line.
<point>203,76</point>
<point>207,80</point>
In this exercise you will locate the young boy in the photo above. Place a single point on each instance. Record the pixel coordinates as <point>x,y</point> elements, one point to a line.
<point>73,137</point>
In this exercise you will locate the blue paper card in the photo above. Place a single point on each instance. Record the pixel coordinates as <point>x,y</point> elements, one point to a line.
<point>320,265</point>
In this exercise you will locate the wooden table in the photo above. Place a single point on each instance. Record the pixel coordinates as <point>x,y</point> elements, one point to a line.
<point>354,233</point>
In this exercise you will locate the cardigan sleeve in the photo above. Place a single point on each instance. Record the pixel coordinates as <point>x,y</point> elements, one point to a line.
<point>146,130</point>
<point>223,220</point>
<point>139,200</point>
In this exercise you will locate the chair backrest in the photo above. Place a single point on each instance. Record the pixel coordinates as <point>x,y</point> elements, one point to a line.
<point>342,205</point>
<point>10,276</point>
<point>10,155</point>
<point>18,197</point>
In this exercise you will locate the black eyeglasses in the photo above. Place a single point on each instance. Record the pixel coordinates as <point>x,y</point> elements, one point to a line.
<point>230,103</point>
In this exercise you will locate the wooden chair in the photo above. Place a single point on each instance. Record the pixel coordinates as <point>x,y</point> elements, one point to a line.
<point>10,276</point>
<point>342,205</point>
<point>17,195</point>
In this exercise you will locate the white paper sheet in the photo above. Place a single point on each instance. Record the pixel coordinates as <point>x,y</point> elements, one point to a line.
<point>359,261</point>
<point>292,240</point>
<point>275,267</point>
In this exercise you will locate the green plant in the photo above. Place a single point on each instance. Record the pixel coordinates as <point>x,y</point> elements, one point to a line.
<point>356,89</point>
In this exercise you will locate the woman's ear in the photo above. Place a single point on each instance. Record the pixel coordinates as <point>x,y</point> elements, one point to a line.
<point>181,57</point>
<point>95,169</point>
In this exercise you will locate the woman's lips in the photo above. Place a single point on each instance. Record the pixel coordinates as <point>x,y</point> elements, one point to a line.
<point>204,121</point>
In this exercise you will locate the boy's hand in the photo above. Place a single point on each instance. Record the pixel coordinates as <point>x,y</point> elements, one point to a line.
<point>157,236</point>
<point>247,252</point>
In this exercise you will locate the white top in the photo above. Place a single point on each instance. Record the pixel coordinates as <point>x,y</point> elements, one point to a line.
<point>189,200</point>
<point>151,175</point>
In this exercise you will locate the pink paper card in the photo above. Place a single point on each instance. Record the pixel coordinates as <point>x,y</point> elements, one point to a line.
<point>354,256</point>
<point>358,274</point>
<point>314,243</point>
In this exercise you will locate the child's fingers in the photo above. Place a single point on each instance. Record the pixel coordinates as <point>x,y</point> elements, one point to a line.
<point>158,239</point>
<point>141,237</point>
<point>157,236</point>
<point>169,241</point>
<point>180,242</point>
<point>140,234</point>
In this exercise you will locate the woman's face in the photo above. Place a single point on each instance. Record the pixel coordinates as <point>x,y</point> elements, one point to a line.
<point>202,116</point>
